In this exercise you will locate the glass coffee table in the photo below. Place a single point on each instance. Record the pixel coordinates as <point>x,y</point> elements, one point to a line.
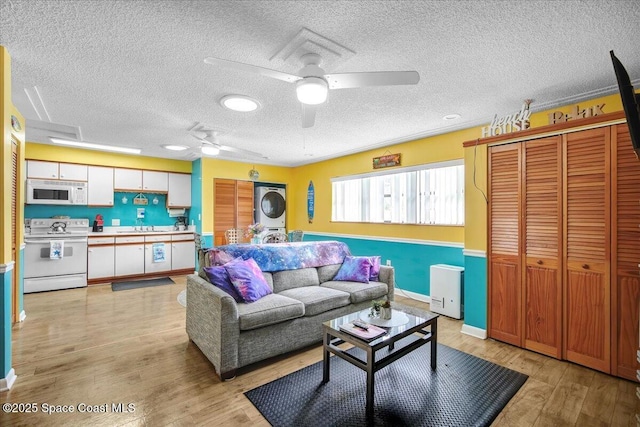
<point>419,322</point>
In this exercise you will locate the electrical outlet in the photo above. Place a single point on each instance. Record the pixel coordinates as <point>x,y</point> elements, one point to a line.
<point>389,262</point>
<point>115,222</point>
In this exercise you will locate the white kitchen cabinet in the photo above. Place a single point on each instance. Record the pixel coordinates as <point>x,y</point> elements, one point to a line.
<point>157,254</point>
<point>127,179</point>
<point>129,256</point>
<point>42,170</point>
<point>183,252</point>
<point>100,261</point>
<point>72,172</point>
<point>100,186</point>
<point>179,195</point>
<point>155,181</point>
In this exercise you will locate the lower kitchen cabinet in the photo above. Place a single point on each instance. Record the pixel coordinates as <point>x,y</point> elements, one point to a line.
<point>101,262</point>
<point>183,252</point>
<point>157,254</point>
<point>129,256</point>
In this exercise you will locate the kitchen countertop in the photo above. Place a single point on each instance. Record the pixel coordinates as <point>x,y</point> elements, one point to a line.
<point>131,232</point>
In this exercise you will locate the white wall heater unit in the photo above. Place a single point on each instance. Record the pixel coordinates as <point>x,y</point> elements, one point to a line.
<point>447,290</point>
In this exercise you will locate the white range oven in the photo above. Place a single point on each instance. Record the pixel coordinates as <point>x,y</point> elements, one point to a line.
<point>55,254</point>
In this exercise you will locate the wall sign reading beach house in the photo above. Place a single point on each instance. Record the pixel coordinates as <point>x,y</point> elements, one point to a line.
<point>509,123</point>
<point>575,113</point>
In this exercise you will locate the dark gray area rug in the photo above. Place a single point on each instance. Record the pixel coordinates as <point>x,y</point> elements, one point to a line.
<point>135,284</point>
<point>463,391</point>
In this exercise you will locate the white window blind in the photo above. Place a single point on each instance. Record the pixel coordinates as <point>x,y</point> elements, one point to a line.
<point>426,194</point>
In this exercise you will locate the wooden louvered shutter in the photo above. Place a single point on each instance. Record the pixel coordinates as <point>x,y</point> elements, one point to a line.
<point>626,250</point>
<point>587,251</point>
<point>14,227</point>
<point>504,244</point>
<point>542,244</point>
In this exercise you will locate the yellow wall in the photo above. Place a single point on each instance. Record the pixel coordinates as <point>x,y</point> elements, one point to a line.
<point>428,150</point>
<point>475,204</point>
<point>57,153</point>
<point>216,168</point>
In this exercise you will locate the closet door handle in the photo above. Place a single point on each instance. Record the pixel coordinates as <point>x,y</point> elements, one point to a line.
<point>539,262</point>
<point>585,266</point>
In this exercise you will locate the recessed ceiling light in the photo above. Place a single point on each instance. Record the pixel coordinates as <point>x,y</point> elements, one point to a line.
<point>175,147</point>
<point>240,103</point>
<point>93,146</point>
<point>451,116</point>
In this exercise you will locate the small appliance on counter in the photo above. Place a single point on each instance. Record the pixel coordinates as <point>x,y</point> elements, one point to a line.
<point>98,223</point>
<point>181,223</point>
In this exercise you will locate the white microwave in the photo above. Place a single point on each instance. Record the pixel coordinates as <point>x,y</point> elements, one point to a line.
<point>51,192</point>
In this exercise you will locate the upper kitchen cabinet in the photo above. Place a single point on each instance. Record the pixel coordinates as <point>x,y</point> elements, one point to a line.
<point>53,170</point>
<point>155,181</point>
<point>127,179</point>
<point>179,195</point>
<point>100,186</point>
<point>140,180</point>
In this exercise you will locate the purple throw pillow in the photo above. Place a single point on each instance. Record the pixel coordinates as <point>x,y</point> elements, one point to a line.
<point>248,280</point>
<point>219,277</point>
<point>375,268</point>
<point>218,257</point>
<point>354,269</point>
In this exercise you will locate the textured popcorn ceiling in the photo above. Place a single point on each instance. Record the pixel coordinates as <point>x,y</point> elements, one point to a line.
<point>131,73</point>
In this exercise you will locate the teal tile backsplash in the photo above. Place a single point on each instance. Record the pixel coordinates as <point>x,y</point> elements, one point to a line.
<point>126,213</point>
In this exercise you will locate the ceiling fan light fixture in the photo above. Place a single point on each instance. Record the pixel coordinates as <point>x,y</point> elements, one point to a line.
<point>312,90</point>
<point>210,150</point>
<point>239,103</point>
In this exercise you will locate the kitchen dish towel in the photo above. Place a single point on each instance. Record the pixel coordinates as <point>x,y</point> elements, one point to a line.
<point>159,254</point>
<point>56,249</point>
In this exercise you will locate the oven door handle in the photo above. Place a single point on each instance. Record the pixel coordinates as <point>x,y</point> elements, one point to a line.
<point>46,241</point>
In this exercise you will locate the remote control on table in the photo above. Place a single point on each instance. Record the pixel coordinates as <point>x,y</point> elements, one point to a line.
<point>360,324</point>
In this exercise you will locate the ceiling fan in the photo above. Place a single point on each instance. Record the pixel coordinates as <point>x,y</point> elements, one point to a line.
<point>312,83</point>
<point>211,147</point>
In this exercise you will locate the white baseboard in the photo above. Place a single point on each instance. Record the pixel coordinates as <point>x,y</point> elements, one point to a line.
<point>6,383</point>
<point>413,295</point>
<point>23,316</point>
<point>474,332</point>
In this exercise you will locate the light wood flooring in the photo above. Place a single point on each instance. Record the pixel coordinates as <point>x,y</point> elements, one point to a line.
<point>98,347</point>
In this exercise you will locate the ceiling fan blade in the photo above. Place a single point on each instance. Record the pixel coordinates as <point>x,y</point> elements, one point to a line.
<point>240,151</point>
<point>376,78</point>
<point>252,69</point>
<point>308,115</point>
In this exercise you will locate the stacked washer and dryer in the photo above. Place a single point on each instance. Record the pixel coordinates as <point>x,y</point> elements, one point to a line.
<point>270,209</point>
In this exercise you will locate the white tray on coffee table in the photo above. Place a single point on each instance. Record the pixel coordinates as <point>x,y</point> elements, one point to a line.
<point>398,318</point>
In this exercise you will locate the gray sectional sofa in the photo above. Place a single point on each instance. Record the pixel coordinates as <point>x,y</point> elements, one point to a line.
<point>232,335</point>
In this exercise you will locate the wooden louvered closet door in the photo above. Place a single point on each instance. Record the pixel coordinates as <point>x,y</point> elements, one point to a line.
<point>626,251</point>
<point>504,297</point>
<point>587,248</point>
<point>542,274</point>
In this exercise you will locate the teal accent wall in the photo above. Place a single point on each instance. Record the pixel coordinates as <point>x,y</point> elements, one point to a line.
<point>195,213</point>
<point>20,273</point>
<point>5,314</point>
<point>475,291</point>
<point>126,213</point>
<point>410,260</point>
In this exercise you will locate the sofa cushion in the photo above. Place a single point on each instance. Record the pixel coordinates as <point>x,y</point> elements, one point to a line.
<point>354,269</point>
<point>283,280</point>
<point>359,291</point>
<point>268,310</point>
<point>328,272</point>
<point>247,278</point>
<point>317,299</point>
<point>268,278</point>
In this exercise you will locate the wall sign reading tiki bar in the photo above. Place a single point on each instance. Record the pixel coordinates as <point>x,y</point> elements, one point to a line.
<point>386,161</point>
